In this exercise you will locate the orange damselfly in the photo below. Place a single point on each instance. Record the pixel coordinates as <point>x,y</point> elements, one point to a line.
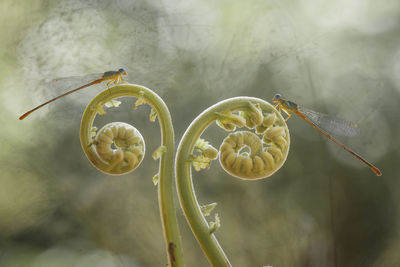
<point>329,123</point>
<point>110,76</point>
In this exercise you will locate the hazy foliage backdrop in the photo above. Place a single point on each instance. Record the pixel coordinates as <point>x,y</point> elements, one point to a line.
<point>323,208</point>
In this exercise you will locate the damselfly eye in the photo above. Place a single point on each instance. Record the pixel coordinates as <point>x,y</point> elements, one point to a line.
<point>276,97</point>
<point>122,71</point>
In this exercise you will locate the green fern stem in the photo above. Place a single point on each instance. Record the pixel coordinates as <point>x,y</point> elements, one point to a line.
<point>267,156</point>
<point>165,182</point>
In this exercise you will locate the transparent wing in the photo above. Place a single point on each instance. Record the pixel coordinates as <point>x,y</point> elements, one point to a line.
<point>59,86</point>
<point>330,123</point>
<point>46,90</point>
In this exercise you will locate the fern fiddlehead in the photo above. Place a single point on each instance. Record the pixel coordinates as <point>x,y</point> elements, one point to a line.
<point>118,148</point>
<point>266,136</point>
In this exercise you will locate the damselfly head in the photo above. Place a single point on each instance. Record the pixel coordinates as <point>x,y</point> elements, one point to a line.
<point>122,71</point>
<point>276,98</point>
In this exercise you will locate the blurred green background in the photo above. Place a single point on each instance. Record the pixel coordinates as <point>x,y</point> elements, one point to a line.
<point>323,208</point>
